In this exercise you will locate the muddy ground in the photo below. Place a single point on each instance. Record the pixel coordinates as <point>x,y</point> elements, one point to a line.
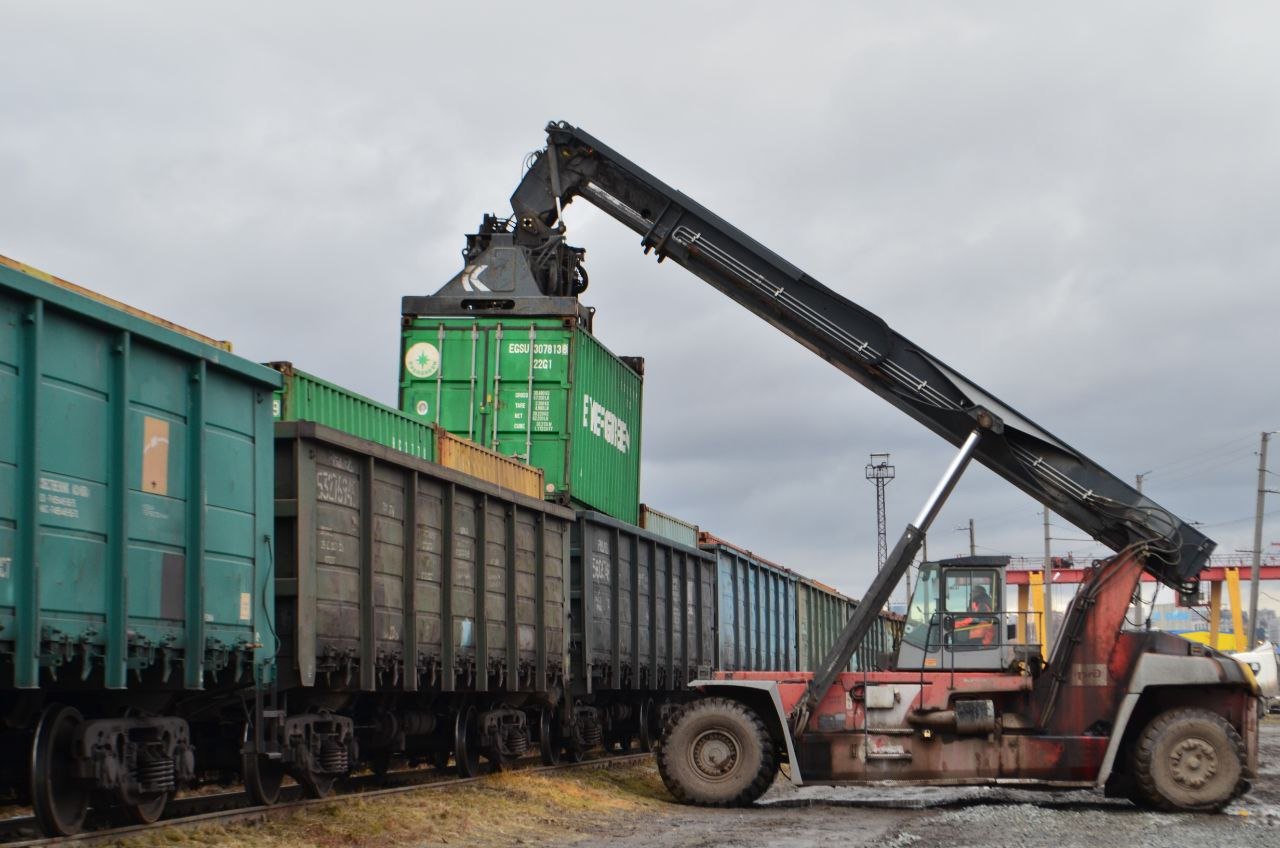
<point>627,807</point>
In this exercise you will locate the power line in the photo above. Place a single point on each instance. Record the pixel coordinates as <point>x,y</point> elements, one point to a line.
<point>1238,520</point>
<point>1191,473</point>
<point>1210,453</point>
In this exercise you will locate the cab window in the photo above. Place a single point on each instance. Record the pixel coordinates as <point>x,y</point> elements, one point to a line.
<point>971,590</point>
<point>920,615</point>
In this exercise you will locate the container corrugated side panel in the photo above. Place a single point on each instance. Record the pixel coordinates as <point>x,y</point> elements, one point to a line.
<point>756,610</point>
<point>305,397</point>
<point>135,501</point>
<point>643,608</point>
<point>667,525</point>
<point>822,615</point>
<point>605,418</point>
<point>413,575</point>
<point>470,458</point>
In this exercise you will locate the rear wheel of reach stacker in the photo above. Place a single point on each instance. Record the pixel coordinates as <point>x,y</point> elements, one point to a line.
<point>1188,759</point>
<point>717,753</point>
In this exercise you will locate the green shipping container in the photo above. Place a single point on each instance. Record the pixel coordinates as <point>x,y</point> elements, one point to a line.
<point>136,502</point>
<point>541,389</point>
<point>304,397</point>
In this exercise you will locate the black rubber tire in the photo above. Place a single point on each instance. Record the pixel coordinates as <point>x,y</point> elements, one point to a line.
<point>716,752</point>
<point>59,799</point>
<point>1188,759</point>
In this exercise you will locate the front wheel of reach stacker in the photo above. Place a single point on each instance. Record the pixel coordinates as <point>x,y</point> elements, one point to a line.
<point>717,753</point>
<point>1188,759</point>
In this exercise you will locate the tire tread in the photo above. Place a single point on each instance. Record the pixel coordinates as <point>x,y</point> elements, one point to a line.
<point>1145,789</point>
<point>760,782</point>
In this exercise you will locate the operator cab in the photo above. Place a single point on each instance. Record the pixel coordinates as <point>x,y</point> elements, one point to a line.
<point>957,619</point>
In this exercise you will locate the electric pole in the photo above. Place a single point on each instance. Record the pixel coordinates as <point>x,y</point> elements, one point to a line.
<point>973,548</point>
<point>1257,542</point>
<point>880,472</point>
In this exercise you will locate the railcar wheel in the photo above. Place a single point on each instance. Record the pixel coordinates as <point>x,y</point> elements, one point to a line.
<point>550,740</point>
<point>1189,759</point>
<point>59,799</point>
<point>466,743</point>
<point>646,736</point>
<point>380,763</point>
<point>146,810</point>
<point>315,784</point>
<point>262,778</point>
<point>717,753</point>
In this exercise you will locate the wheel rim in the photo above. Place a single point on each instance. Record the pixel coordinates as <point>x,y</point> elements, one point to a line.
<point>59,799</point>
<point>715,754</point>
<point>1192,763</point>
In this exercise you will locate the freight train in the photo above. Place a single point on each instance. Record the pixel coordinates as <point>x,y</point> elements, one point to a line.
<point>212,569</point>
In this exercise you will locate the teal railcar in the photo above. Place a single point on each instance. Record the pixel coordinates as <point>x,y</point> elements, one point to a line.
<point>135,533</point>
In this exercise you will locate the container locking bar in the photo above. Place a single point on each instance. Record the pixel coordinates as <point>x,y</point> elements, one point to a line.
<point>865,613</point>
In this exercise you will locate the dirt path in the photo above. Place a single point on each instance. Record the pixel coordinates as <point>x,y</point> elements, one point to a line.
<point>627,807</point>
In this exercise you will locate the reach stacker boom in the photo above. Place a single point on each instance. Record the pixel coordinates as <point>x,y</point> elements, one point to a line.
<point>1150,716</point>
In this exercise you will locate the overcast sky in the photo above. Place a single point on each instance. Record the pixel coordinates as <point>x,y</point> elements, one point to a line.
<point>1078,207</point>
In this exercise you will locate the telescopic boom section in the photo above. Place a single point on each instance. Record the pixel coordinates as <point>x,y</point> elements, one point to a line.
<point>857,342</point>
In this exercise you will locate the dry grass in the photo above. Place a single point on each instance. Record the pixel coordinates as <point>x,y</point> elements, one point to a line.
<point>505,809</point>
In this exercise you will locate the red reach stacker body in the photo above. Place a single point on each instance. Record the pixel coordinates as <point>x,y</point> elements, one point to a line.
<point>1140,713</point>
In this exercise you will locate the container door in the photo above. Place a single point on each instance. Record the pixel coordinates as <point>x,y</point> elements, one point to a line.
<point>529,375</point>
<point>443,375</point>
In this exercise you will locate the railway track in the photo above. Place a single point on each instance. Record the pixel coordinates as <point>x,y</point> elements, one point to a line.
<point>233,807</point>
